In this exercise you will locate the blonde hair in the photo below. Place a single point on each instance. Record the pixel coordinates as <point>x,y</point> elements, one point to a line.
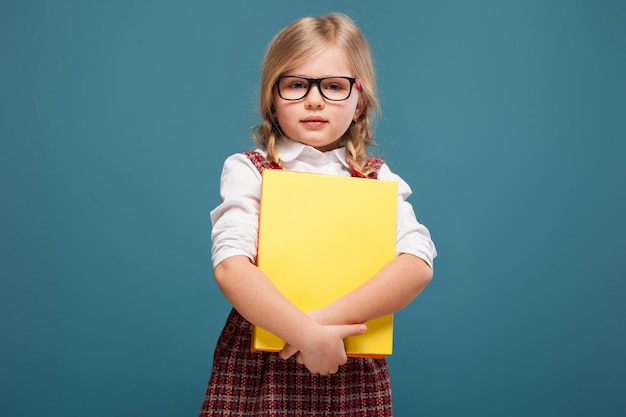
<point>295,44</point>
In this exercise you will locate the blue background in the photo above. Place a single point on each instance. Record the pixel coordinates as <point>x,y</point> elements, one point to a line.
<point>508,118</point>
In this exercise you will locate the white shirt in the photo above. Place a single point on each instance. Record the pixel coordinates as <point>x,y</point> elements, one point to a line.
<point>235,220</point>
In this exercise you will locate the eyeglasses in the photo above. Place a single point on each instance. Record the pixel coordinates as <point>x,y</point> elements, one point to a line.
<point>293,88</point>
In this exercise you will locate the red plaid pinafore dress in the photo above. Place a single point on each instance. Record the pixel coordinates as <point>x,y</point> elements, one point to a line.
<point>260,384</point>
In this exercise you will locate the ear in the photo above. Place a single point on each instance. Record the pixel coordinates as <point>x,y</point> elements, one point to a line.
<point>359,108</point>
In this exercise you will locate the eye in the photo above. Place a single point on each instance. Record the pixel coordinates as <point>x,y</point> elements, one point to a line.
<point>334,86</point>
<point>297,85</point>
<point>294,84</point>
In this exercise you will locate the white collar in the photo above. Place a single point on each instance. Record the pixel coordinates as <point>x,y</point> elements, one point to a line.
<point>288,150</point>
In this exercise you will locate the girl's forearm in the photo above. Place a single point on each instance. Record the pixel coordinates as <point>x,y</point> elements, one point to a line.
<point>258,300</point>
<point>390,290</point>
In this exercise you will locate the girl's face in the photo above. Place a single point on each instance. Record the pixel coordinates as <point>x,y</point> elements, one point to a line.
<point>313,120</point>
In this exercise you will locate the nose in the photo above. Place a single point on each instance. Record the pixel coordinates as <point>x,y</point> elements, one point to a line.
<point>314,98</point>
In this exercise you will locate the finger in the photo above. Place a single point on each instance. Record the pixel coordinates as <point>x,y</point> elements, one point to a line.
<point>299,358</point>
<point>287,352</point>
<point>329,372</point>
<point>332,371</point>
<point>348,330</point>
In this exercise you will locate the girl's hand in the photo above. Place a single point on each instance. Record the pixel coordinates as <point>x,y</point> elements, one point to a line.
<point>325,351</point>
<point>288,351</point>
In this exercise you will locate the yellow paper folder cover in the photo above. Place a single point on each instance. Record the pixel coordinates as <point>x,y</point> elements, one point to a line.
<point>322,236</point>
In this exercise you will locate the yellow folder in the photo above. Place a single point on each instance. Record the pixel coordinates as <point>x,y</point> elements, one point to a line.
<point>322,236</point>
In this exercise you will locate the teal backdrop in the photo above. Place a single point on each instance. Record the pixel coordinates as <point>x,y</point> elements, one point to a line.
<point>508,118</point>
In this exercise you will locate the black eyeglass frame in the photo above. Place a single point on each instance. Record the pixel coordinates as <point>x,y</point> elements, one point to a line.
<point>313,81</point>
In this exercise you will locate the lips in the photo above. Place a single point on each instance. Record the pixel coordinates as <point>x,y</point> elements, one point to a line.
<point>314,121</point>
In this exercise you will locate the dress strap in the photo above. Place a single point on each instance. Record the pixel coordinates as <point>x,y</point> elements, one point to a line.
<point>260,162</point>
<point>373,165</point>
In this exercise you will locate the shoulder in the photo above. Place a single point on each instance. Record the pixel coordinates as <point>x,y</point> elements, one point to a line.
<point>245,160</point>
<point>385,173</point>
<point>260,161</point>
<point>239,170</point>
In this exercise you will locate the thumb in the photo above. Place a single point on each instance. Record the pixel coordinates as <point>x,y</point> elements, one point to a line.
<point>287,352</point>
<point>347,330</point>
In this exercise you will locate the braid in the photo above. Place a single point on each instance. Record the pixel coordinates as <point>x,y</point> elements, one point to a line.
<point>359,137</point>
<point>352,155</point>
<point>272,151</point>
<point>264,135</point>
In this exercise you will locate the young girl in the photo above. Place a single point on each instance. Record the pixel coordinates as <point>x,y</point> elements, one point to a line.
<point>317,97</point>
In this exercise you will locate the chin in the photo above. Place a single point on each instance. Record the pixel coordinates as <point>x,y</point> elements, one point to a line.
<point>323,146</point>
<point>319,143</point>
